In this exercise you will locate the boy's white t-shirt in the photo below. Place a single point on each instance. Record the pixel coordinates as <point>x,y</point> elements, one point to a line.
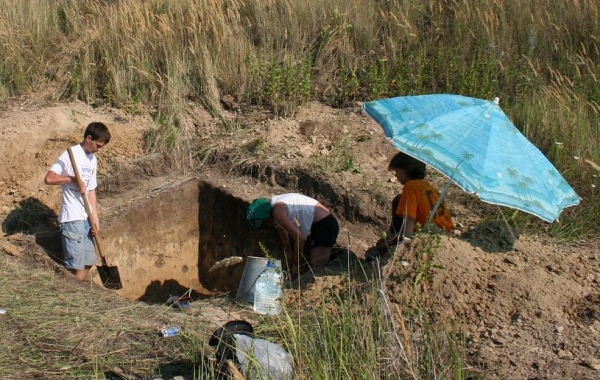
<point>72,203</point>
<point>300,208</point>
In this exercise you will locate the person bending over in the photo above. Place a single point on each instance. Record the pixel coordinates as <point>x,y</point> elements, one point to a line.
<point>303,224</point>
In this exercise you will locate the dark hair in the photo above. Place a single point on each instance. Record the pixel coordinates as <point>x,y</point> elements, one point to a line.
<point>98,132</point>
<point>415,169</point>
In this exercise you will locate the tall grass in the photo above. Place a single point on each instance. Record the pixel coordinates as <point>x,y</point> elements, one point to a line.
<point>540,57</point>
<point>384,328</point>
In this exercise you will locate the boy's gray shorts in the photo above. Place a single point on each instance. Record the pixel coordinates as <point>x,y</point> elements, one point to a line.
<point>78,246</point>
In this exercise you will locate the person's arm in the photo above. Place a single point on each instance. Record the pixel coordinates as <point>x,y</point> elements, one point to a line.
<point>409,226</point>
<point>407,209</point>
<point>287,228</point>
<point>284,236</point>
<point>94,219</point>
<point>406,231</point>
<point>53,178</point>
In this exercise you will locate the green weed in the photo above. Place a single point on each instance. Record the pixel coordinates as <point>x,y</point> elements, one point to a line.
<point>337,158</point>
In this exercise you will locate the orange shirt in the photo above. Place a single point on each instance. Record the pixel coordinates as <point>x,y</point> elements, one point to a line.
<point>418,199</point>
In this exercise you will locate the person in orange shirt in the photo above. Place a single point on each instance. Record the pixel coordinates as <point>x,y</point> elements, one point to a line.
<point>411,208</point>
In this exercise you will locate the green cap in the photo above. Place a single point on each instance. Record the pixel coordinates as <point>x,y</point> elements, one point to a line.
<point>259,212</point>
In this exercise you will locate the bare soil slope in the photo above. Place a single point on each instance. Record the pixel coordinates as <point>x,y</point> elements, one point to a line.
<point>531,309</point>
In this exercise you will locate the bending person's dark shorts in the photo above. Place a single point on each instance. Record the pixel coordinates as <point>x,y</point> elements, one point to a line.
<point>324,233</point>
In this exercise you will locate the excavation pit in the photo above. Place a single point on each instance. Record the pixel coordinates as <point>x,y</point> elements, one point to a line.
<point>166,242</point>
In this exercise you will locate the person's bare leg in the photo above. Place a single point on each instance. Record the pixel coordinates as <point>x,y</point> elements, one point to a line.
<point>319,256</point>
<point>81,274</point>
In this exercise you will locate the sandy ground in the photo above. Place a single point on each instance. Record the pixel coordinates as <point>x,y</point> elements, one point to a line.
<point>531,309</point>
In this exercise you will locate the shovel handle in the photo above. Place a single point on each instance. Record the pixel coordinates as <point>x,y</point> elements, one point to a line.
<point>86,203</point>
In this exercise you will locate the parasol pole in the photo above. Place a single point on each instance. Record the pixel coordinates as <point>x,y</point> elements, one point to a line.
<point>439,201</point>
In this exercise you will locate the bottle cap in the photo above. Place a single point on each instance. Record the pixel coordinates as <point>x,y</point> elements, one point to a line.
<point>271,264</point>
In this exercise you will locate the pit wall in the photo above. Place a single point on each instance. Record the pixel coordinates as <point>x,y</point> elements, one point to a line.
<point>167,242</point>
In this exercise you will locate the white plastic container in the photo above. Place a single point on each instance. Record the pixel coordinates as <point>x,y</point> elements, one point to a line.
<point>268,295</point>
<point>253,268</point>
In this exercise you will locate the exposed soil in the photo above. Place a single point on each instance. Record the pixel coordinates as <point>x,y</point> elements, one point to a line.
<point>531,306</point>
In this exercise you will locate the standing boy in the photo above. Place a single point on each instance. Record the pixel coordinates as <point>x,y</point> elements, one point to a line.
<point>76,228</point>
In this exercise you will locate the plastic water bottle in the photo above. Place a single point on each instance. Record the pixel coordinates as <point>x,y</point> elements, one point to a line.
<point>268,295</point>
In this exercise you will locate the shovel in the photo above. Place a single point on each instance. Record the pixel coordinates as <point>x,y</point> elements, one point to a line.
<point>108,275</point>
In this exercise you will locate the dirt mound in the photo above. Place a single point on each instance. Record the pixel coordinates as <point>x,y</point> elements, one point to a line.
<point>530,306</point>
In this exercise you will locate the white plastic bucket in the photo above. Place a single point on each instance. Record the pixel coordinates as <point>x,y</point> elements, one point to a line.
<point>252,269</point>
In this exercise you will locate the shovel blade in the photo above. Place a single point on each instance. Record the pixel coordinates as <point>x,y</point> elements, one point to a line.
<point>110,277</point>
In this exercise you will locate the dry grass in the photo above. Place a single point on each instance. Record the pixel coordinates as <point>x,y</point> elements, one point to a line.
<point>58,328</point>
